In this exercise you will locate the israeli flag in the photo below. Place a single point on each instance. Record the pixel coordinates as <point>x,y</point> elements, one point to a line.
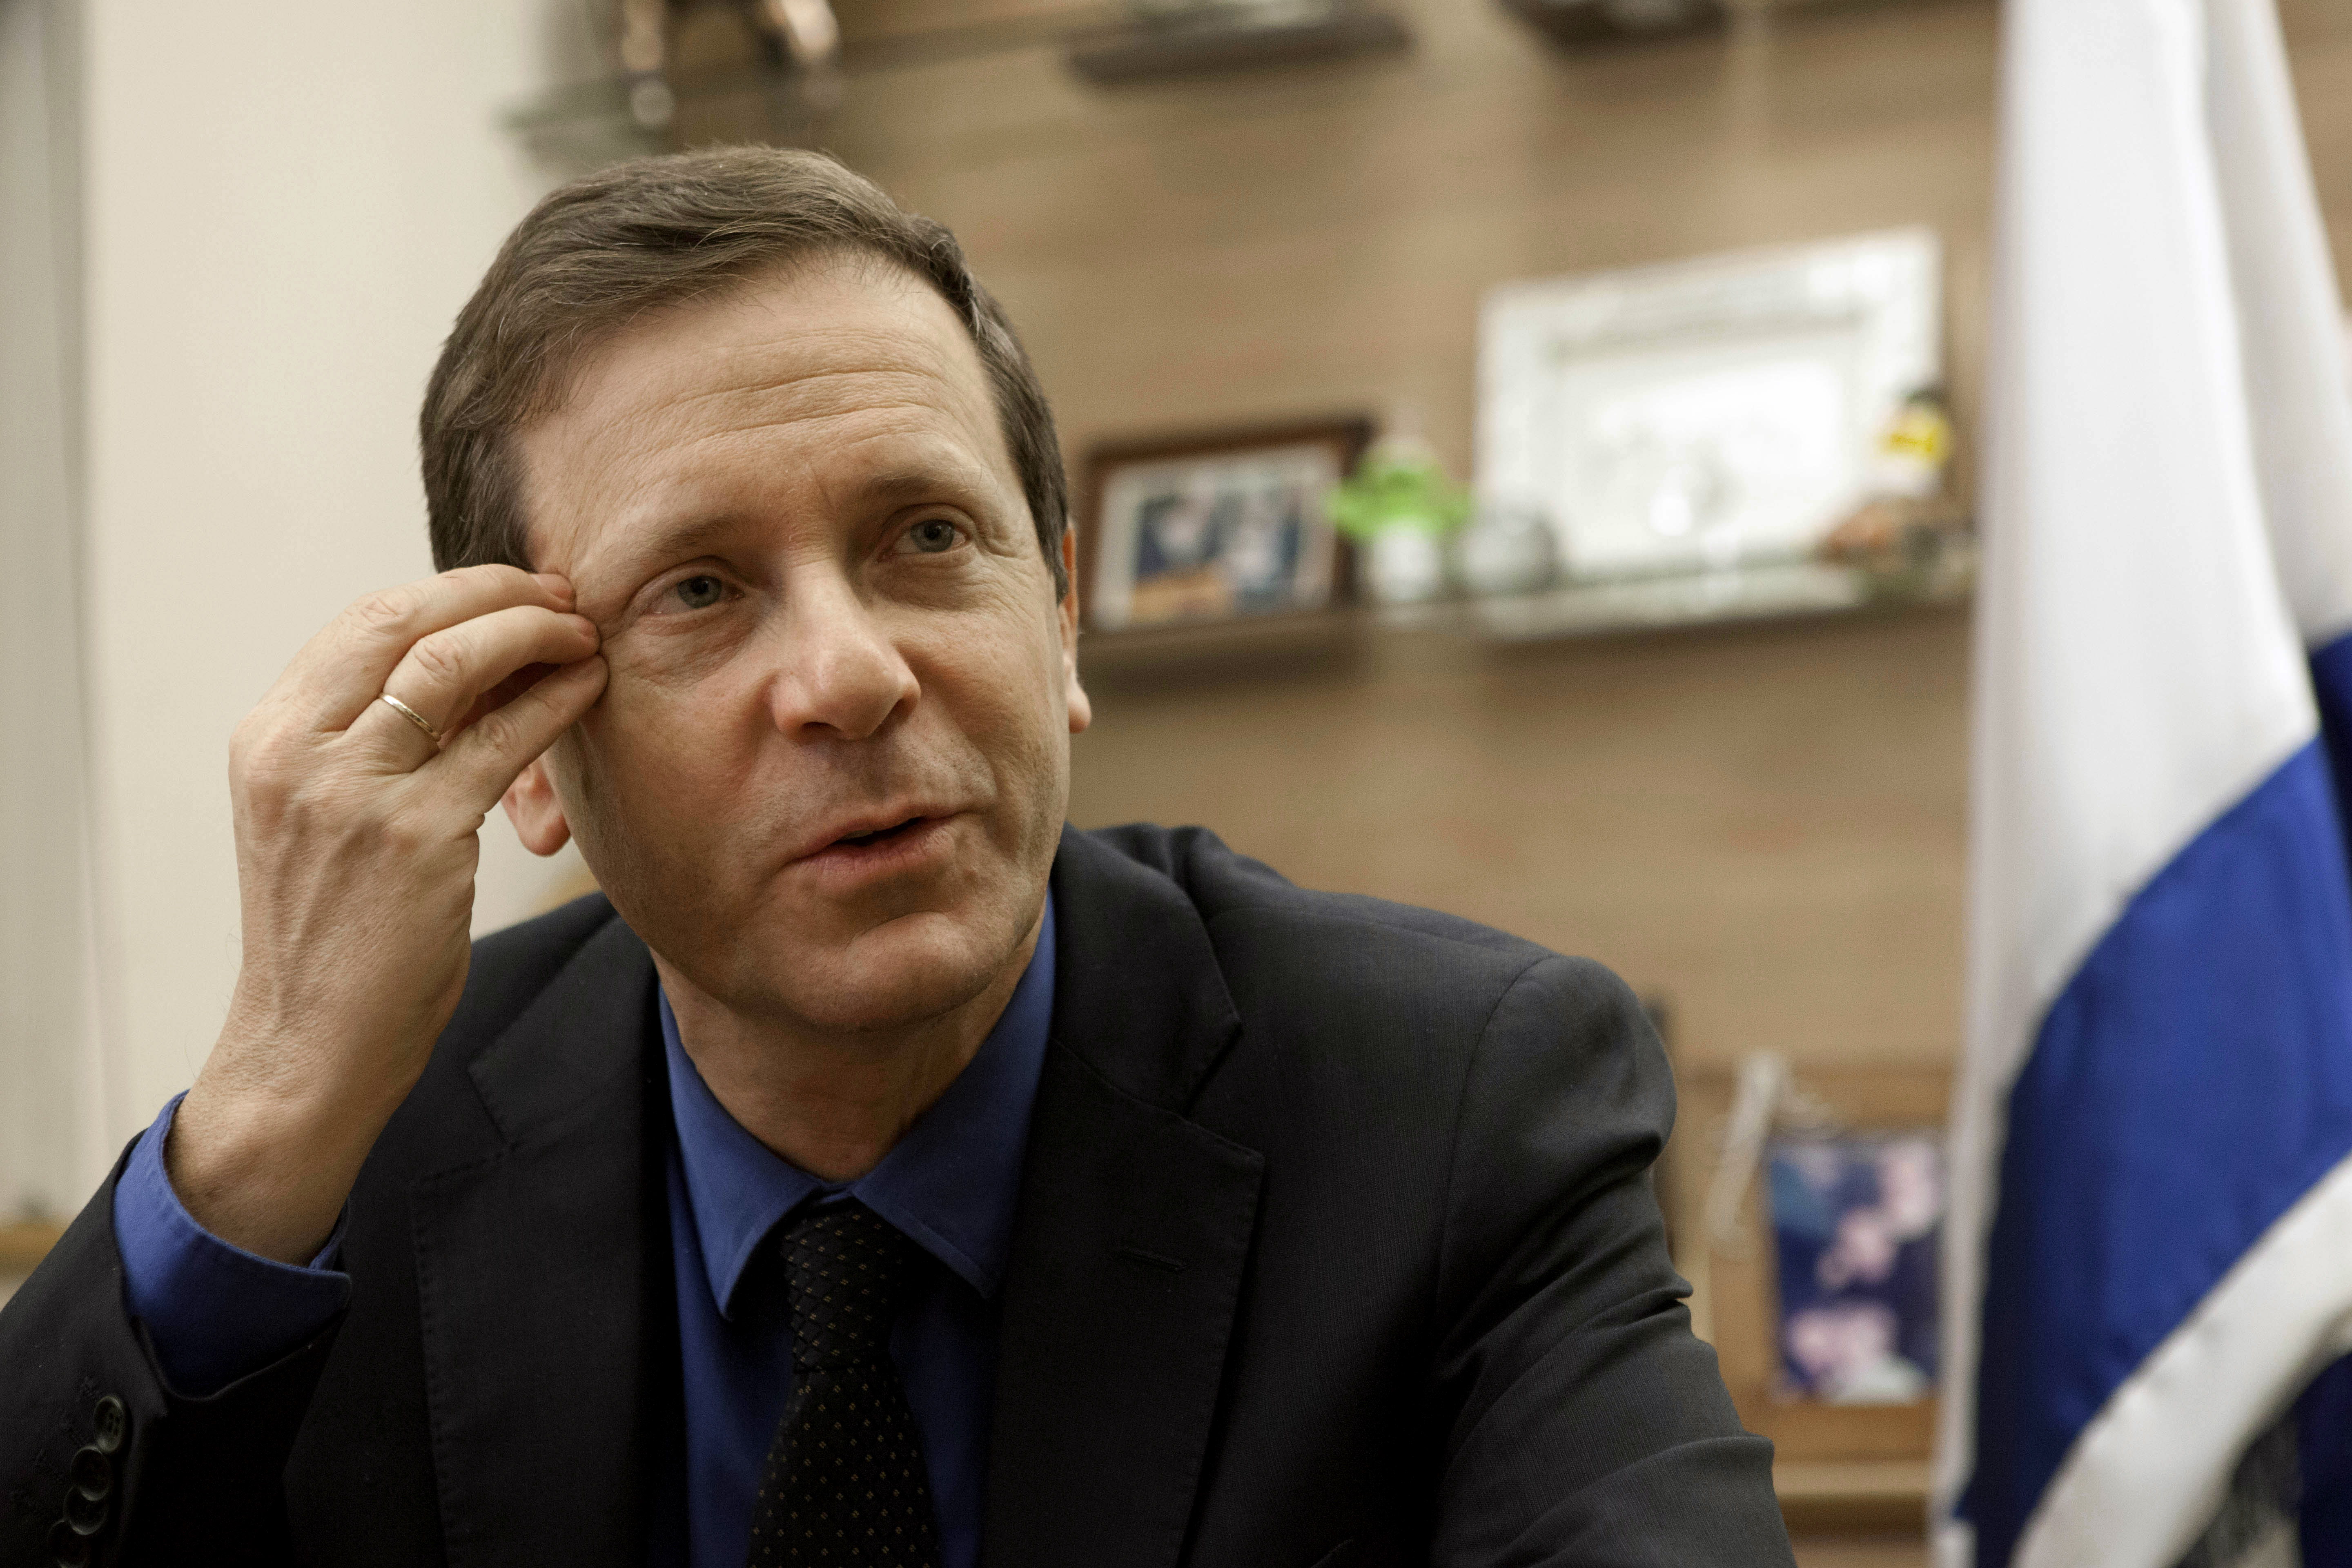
<point>2149,1256</point>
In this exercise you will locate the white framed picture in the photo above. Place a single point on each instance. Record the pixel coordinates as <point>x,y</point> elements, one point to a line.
<point>1706,414</point>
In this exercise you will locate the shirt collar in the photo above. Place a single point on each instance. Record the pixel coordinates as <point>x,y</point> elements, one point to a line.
<point>950,1184</point>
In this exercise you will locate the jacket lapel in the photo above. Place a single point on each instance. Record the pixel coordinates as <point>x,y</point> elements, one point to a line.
<point>541,1271</point>
<point>1133,1230</point>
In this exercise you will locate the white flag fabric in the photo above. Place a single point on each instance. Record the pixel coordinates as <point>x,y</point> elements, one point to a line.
<point>2149,1253</point>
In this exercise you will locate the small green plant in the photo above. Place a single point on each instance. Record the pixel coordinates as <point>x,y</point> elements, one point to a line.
<point>1398,485</point>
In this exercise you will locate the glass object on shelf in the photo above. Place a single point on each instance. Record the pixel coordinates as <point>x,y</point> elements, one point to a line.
<point>1506,550</point>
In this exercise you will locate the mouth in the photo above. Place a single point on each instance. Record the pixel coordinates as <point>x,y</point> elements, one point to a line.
<point>880,846</point>
<point>875,835</point>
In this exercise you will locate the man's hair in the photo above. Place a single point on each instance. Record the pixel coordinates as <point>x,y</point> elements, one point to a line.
<point>605,250</point>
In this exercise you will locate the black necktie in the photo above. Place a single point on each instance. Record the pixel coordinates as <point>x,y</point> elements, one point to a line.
<point>845,1486</point>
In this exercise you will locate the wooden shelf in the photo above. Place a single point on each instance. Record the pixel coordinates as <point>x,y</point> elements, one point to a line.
<point>1252,642</point>
<point>1771,591</point>
<point>1765,591</point>
<point>1852,1495</point>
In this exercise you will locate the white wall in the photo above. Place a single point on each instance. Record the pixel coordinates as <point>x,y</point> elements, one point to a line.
<point>51,1074</point>
<point>285,204</point>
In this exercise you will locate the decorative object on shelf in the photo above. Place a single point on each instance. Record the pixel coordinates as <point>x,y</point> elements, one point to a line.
<point>1193,38</point>
<point>691,72</point>
<point>1505,550</point>
<point>1215,527</point>
<point>1914,449</point>
<point>1709,414</point>
<point>1398,506</point>
<point>1907,525</point>
<point>1807,1204</point>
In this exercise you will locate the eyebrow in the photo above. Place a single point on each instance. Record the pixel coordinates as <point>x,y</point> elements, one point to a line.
<point>690,536</point>
<point>908,484</point>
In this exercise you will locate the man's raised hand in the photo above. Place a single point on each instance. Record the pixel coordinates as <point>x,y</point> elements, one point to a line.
<point>356,852</point>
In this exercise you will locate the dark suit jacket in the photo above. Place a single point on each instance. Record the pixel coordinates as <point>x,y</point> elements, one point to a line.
<point>1336,1245</point>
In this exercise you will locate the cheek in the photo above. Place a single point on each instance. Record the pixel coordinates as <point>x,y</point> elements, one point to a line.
<point>653,758</point>
<point>676,695</point>
<point>1001,690</point>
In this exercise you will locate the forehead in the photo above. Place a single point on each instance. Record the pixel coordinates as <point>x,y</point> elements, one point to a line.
<point>823,372</point>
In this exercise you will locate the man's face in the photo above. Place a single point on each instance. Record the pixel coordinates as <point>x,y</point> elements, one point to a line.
<point>792,512</point>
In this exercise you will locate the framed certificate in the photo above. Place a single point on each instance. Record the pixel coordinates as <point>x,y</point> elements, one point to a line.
<point>1705,415</point>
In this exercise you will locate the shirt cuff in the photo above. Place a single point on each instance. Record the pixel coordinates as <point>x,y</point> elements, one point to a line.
<point>213,1311</point>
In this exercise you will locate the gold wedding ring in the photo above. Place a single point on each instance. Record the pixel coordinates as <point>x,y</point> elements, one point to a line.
<point>411,714</point>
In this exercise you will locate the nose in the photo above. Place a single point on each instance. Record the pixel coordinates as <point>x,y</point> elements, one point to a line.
<point>838,673</point>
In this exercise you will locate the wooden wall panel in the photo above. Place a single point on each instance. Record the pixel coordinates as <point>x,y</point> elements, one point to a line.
<point>1764,825</point>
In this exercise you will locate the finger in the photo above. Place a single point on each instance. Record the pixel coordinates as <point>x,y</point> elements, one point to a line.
<point>504,692</point>
<point>338,672</point>
<point>442,676</point>
<point>483,762</point>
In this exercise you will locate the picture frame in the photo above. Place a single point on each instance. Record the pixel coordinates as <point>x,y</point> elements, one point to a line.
<point>1215,527</point>
<point>1837,1465</point>
<point>1706,415</point>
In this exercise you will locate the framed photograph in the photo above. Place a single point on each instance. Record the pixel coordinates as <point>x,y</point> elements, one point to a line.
<point>1816,1282</point>
<point>1858,1219</point>
<point>1215,528</point>
<point>1708,415</point>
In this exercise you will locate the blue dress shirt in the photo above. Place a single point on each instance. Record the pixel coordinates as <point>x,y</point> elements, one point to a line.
<point>950,1185</point>
<point>215,1312</point>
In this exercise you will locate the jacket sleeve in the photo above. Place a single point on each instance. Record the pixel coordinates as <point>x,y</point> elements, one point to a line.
<point>1586,1424</point>
<point>102,1460</point>
<point>212,1311</point>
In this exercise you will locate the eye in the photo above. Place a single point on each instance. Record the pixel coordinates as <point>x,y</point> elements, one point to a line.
<point>698,592</point>
<point>933,536</point>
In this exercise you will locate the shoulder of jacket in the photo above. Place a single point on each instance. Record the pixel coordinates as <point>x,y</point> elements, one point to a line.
<point>1256,916</point>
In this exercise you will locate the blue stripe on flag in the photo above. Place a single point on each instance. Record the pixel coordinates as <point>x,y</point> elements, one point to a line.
<point>2191,1081</point>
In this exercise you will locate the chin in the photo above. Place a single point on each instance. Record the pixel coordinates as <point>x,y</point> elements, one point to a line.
<point>899,973</point>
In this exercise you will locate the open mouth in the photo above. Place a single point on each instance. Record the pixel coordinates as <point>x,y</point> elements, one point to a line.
<point>879,836</point>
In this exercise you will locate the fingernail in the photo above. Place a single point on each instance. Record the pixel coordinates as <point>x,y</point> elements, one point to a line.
<point>554,582</point>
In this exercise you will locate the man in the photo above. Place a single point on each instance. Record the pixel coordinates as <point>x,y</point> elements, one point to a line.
<point>879,1172</point>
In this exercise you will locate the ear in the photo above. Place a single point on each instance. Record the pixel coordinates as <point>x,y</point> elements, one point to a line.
<point>1082,711</point>
<point>537,814</point>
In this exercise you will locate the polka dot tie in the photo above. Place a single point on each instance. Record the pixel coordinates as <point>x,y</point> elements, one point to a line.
<point>845,1486</point>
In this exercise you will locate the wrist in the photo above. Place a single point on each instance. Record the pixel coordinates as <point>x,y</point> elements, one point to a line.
<point>264,1176</point>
